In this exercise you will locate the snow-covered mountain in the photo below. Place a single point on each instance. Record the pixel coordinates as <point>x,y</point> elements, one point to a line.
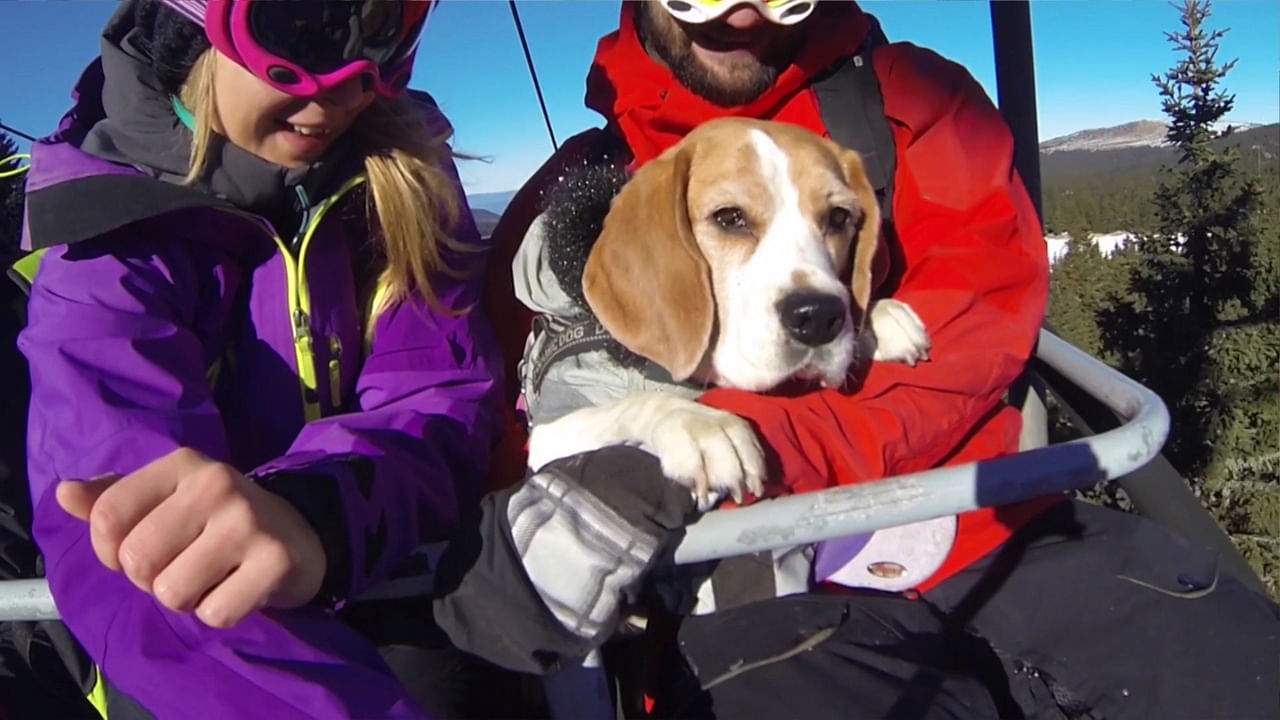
<point>1140,133</point>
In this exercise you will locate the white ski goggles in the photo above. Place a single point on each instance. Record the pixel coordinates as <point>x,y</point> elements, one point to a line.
<point>781,12</point>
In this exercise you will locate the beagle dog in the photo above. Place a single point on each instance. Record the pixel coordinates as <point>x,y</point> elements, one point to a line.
<point>741,257</point>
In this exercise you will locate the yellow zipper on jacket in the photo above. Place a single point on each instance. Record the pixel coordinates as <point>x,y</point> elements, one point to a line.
<point>299,298</point>
<point>335,372</point>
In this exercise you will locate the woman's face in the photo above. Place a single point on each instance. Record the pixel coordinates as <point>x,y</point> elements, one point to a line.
<point>280,128</point>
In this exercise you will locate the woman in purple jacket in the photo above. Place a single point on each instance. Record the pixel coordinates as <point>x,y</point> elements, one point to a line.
<point>251,328</point>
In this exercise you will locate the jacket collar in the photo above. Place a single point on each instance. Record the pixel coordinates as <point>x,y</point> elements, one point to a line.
<point>643,100</point>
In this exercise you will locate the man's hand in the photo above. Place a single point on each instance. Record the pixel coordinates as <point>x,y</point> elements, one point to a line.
<point>199,535</point>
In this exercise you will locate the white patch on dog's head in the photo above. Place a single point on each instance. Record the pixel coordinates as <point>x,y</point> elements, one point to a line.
<point>782,310</point>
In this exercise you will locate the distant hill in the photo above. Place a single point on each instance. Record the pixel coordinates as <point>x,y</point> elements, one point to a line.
<point>1138,147</point>
<point>485,220</point>
<point>487,208</point>
<point>1103,180</point>
<point>492,201</point>
<point>1141,133</point>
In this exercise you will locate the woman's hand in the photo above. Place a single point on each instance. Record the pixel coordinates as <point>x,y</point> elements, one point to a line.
<point>199,535</point>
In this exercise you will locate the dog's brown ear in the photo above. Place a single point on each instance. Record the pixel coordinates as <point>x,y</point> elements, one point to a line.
<point>868,239</point>
<point>645,279</point>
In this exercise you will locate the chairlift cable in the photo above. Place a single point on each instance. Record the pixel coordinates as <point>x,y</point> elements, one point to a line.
<point>15,131</point>
<point>528,58</point>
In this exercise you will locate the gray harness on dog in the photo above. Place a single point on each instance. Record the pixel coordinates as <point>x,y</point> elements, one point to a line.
<point>567,338</point>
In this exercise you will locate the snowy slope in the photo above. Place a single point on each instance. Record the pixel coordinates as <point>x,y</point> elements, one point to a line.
<point>1140,133</point>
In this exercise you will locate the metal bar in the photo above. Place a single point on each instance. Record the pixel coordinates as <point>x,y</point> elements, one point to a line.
<point>1016,88</point>
<point>843,511</point>
<point>1082,463</point>
<point>26,600</point>
<point>1012,44</point>
<point>1157,489</point>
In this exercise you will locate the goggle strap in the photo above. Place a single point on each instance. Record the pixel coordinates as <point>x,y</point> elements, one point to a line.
<point>193,10</point>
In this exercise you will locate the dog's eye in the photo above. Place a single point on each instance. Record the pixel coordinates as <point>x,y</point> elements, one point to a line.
<point>839,219</point>
<point>730,218</point>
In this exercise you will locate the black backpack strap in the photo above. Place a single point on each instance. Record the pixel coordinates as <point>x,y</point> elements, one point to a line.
<point>853,112</point>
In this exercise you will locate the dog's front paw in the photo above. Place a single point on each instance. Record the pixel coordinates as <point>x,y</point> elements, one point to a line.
<point>900,336</point>
<point>709,451</point>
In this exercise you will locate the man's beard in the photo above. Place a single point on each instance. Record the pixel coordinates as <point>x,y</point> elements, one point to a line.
<point>745,81</point>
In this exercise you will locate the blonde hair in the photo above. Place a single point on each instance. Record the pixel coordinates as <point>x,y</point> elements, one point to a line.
<point>197,96</point>
<point>413,204</point>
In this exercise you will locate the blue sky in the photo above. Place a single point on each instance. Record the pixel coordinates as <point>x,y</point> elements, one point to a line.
<point>1094,59</point>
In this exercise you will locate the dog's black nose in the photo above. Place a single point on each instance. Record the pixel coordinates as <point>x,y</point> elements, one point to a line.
<point>812,318</point>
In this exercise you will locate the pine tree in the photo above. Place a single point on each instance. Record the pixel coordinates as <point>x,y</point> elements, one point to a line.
<point>1201,323</point>
<point>1082,281</point>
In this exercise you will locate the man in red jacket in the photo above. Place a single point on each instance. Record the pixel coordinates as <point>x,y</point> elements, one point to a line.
<point>1035,603</point>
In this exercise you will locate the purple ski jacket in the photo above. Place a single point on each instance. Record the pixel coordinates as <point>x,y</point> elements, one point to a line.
<point>165,316</point>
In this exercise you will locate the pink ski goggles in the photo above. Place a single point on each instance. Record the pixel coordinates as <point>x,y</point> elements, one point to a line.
<point>307,47</point>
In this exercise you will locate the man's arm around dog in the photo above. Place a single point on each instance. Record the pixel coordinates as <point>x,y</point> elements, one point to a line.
<point>976,272</point>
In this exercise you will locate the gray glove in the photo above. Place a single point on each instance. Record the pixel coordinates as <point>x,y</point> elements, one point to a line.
<point>544,572</point>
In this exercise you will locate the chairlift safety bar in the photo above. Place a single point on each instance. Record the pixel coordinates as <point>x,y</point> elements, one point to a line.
<point>854,509</point>
<point>813,517</point>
